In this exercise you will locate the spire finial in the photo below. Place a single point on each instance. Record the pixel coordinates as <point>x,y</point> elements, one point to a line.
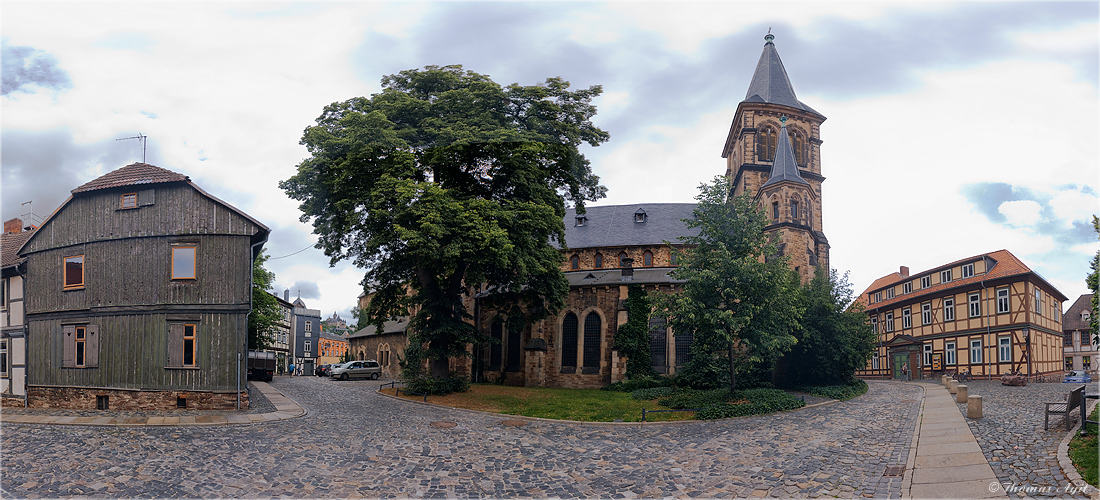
<point>769,37</point>
<point>783,121</point>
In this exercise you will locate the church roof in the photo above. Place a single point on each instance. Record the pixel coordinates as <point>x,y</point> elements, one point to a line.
<point>784,167</point>
<point>628,225</point>
<point>770,83</point>
<point>131,175</point>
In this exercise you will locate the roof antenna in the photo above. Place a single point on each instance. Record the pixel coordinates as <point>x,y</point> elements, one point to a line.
<point>143,137</point>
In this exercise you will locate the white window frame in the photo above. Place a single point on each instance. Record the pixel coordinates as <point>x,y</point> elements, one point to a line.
<point>1004,303</point>
<point>925,282</point>
<point>1038,301</point>
<point>907,287</point>
<point>975,351</point>
<point>926,313</point>
<point>889,293</point>
<point>874,361</point>
<point>889,322</point>
<point>968,271</point>
<point>974,304</point>
<point>874,324</point>
<point>949,352</point>
<point>945,276</point>
<point>927,355</point>
<point>949,309</point>
<point>878,296</point>
<point>1004,349</point>
<point>307,347</point>
<point>906,318</point>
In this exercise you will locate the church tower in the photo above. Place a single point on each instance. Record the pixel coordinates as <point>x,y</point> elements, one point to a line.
<point>773,151</point>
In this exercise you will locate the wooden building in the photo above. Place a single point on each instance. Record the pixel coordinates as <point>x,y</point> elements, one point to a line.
<point>138,293</point>
<point>987,315</point>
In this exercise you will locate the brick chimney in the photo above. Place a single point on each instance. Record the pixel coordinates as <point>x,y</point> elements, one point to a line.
<point>13,226</point>
<point>904,271</point>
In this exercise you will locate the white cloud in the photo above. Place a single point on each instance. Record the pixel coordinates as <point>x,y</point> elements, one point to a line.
<point>1021,213</point>
<point>1075,206</point>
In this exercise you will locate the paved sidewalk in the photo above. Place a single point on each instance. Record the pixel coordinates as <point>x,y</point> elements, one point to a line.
<point>285,408</point>
<point>948,462</point>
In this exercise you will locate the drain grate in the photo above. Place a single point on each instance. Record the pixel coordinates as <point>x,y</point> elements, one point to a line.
<point>894,471</point>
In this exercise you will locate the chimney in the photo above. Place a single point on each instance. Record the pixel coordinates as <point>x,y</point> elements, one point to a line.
<point>286,294</point>
<point>13,226</point>
<point>904,271</point>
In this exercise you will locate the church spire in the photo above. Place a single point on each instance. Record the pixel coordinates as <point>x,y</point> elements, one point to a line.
<point>784,168</point>
<point>770,83</point>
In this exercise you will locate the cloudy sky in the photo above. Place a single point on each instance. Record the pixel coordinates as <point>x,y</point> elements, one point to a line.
<point>953,129</point>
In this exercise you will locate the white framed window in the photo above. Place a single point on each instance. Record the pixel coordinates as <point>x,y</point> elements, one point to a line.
<point>945,276</point>
<point>926,282</point>
<point>949,352</point>
<point>307,348</point>
<point>975,351</point>
<point>974,300</point>
<point>1004,349</point>
<point>1002,300</point>
<point>889,322</point>
<point>949,309</point>
<point>889,293</point>
<point>906,319</point>
<point>309,328</point>
<point>4,357</point>
<point>874,362</point>
<point>927,354</point>
<point>878,296</point>
<point>968,270</point>
<point>907,287</point>
<point>874,325</point>
<point>926,313</point>
<point>1038,301</point>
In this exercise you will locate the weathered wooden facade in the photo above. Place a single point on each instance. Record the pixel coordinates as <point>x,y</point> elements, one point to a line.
<point>986,315</point>
<point>138,292</point>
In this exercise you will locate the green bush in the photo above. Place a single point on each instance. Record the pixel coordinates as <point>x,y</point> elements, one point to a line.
<point>437,386</point>
<point>692,398</point>
<point>652,393</point>
<point>761,401</point>
<point>844,392</point>
<point>634,384</point>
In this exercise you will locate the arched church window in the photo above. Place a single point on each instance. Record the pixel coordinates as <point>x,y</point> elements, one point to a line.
<point>575,262</point>
<point>598,261</point>
<point>765,144</point>
<point>794,210</point>
<point>569,340</point>
<point>592,325</point>
<point>622,259</point>
<point>798,143</point>
<point>775,211</point>
<point>647,259</point>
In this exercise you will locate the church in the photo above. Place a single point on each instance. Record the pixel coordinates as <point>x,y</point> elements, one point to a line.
<point>773,151</point>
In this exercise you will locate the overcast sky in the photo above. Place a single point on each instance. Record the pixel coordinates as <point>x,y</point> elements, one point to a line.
<point>953,129</point>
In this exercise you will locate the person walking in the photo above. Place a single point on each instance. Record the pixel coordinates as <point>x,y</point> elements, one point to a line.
<point>905,371</point>
<point>291,369</point>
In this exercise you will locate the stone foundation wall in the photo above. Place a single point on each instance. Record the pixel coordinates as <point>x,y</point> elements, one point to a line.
<point>12,401</point>
<point>80,398</point>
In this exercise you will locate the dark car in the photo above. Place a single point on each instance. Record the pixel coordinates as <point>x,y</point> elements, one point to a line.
<point>320,370</point>
<point>1077,377</point>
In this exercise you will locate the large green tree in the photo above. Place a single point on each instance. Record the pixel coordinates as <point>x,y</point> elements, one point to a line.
<point>266,312</point>
<point>446,180</point>
<point>740,301</point>
<point>835,339</point>
<point>1093,282</point>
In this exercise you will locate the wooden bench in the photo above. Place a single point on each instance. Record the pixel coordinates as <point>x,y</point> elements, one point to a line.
<point>1075,399</point>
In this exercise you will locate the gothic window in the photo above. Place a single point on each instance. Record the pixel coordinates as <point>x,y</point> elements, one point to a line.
<point>765,145</point>
<point>775,211</point>
<point>569,340</point>
<point>598,261</point>
<point>647,259</point>
<point>794,210</point>
<point>592,325</point>
<point>658,343</point>
<point>799,144</point>
<point>574,262</point>
<point>622,259</point>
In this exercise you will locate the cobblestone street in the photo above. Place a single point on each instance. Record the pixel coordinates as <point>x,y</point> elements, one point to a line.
<point>355,443</point>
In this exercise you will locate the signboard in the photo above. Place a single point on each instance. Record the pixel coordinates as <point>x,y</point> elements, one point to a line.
<point>937,361</point>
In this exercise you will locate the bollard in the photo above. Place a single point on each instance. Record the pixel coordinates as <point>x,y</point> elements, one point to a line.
<point>962,394</point>
<point>953,388</point>
<point>943,380</point>
<point>974,407</point>
<point>947,382</point>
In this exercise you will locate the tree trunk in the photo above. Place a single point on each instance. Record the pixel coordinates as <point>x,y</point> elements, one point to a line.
<point>733,367</point>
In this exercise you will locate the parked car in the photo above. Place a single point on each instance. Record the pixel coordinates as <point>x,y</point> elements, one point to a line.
<point>320,370</point>
<point>357,369</point>
<point>1077,377</point>
<point>329,368</point>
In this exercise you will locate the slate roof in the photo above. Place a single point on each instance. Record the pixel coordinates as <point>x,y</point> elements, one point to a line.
<point>1004,265</point>
<point>784,167</point>
<point>614,226</point>
<point>770,83</point>
<point>642,276</point>
<point>9,247</point>
<point>134,174</point>
<point>396,326</point>
<point>1071,319</point>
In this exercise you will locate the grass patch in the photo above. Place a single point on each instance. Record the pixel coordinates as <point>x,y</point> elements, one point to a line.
<point>1083,452</point>
<point>595,405</point>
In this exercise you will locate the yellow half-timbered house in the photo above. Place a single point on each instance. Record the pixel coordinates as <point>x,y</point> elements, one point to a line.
<point>985,315</point>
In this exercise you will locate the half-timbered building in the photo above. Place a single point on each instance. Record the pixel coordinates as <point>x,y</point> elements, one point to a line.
<point>138,294</point>
<point>985,315</point>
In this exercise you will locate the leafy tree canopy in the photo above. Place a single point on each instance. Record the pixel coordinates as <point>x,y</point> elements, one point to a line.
<point>266,312</point>
<point>740,301</point>
<point>1093,282</point>
<point>447,179</point>
<point>835,340</point>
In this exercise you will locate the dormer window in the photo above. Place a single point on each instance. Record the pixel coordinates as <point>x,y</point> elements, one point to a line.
<point>639,216</point>
<point>582,220</point>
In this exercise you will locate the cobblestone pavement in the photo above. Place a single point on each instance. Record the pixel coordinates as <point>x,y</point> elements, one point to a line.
<point>355,443</point>
<point>1012,438</point>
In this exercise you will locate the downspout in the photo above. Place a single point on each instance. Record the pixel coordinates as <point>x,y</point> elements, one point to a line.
<point>251,283</point>
<point>26,333</point>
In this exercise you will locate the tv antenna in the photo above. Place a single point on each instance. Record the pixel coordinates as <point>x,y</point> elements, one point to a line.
<point>141,138</point>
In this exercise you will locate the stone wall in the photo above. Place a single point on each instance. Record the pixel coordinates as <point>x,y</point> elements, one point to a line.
<point>80,398</point>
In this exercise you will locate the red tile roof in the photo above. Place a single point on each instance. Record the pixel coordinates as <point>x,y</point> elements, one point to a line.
<point>131,175</point>
<point>1005,265</point>
<point>10,243</point>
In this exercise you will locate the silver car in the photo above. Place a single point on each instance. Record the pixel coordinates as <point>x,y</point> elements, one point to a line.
<point>357,369</point>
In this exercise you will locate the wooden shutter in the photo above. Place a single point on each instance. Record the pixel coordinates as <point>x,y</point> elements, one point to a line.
<point>175,344</point>
<point>146,197</point>
<point>68,340</point>
<point>91,346</point>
